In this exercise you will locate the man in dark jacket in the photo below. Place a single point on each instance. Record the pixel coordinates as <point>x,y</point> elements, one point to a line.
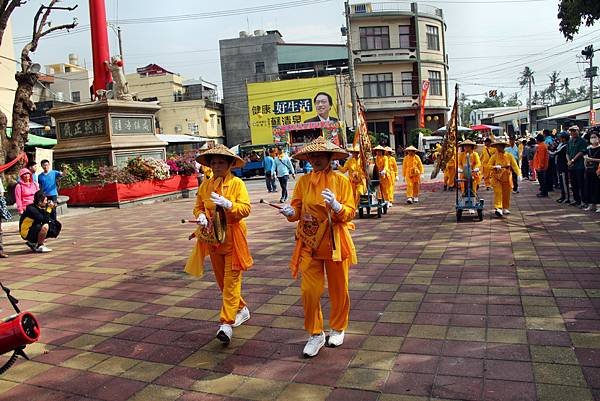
<point>560,160</point>
<point>36,224</point>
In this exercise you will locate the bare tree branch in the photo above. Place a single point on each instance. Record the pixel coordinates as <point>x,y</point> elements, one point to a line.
<point>38,31</point>
<point>6,9</point>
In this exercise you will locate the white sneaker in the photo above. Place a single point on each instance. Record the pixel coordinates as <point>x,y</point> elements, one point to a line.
<point>587,209</point>
<point>598,210</point>
<point>409,201</point>
<point>335,338</point>
<point>224,334</point>
<point>498,212</point>
<point>314,344</point>
<point>506,211</point>
<point>242,315</point>
<point>416,199</point>
<point>42,249</point>
<point>389,205</point>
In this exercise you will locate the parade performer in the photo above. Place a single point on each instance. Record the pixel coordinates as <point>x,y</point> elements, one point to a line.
<point>450,173</point>
<point>386,183</point>
<point>486,154</point>
<point>394,167</point>
<point>469,151</point>
<point>223,195</point>
<point>323,206</point>
<point>412,168</point>
<point>502,165</point>
<point>354,168</point>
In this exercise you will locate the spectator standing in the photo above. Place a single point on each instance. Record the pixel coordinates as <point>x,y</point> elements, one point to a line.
<point>4,214</point>
<point>269,166</point>
<point>513,149</point>
<point>540,164</point>
<point>525,159</point>
<point>576,149</point>
<point>32,167</point>
<point>25,190</point>
<point>283,169</point>
<point>560,159</point>
<point>592,181</point>
<point>531,145</point>
<point>48,182</point>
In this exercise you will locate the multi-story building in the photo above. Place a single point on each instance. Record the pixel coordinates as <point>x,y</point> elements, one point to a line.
<point>8,68</point>
<point>71,82</point>
<point>395,48</point>
<point>187,106</point>
<point>264,57</point>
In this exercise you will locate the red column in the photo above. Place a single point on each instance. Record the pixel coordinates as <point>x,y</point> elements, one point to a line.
<point>100,50</point>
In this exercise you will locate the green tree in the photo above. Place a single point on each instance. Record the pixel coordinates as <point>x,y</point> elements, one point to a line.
<point>581,93</point>
<point>573,13</point>
<point>553,87</point>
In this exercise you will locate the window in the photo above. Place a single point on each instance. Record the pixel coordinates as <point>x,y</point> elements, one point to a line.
<point>407,83</point>
<point>377,85</point>
<point>259,66</point>
<point>404,36</point>
<point>376,37</point>
<point>435,82</point>
<point>76,96</point>
<point>433,38</point>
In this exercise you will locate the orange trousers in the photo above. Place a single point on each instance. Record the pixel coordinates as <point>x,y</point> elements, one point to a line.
<point>230,283</point>
<point>487,179</point>
<point>412,188</point>
<point>449,176</point>
<point>386,186</point>
<point>312,286</point>
<point>502,192</point>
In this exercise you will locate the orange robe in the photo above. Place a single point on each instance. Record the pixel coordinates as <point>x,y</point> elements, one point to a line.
<point>486,154</point>
<point>450,172</point>
<point>394,167</point>
<point>502,178</point>
<point>385,178</point>
<point>475,164</point>
<point>322,248</point>
<point>233,256</point>
<point>356,175</point>
<point>412,168</point>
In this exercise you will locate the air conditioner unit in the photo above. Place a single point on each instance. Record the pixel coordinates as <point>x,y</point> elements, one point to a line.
<point>361,8</point>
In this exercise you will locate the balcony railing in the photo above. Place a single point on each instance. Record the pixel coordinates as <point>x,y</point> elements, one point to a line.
<point>387,7</point>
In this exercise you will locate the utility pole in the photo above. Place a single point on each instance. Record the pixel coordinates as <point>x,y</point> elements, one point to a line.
<point>120,46</point>
<point>590,73</point>
<point>529,107</point>
<point>351,68</point>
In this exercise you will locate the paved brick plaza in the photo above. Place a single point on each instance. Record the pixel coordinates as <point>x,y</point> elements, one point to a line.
<point>497,310</point>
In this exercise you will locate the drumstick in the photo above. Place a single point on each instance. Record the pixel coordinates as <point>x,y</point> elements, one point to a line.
<point>275,206</point>
<point>189,221</point>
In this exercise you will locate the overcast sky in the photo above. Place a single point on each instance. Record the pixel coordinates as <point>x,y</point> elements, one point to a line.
<point>488,41</point>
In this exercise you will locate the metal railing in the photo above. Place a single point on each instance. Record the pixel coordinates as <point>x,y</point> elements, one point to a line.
<point>367,8</point>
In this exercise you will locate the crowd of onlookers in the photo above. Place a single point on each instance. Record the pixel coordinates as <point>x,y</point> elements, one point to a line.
<point>572,166</point>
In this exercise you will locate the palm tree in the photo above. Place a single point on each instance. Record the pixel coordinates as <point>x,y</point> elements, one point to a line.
<point>536,97</point>
<point>527,78</point>
<point>582,93</point>
<point>553,87</point>
<point>567,91</point>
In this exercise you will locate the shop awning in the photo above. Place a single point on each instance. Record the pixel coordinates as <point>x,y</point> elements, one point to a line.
<point>484,127</point>
<point>40,141</point>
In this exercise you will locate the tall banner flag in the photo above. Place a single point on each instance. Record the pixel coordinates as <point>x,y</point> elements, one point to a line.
<point>449,143</point>
<point>424,90</point>
<point>362,139</point>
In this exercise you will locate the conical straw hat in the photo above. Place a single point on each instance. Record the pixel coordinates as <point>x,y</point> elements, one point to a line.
<point>411,148</point>
<point>468,142</point>
<point>498,142</point>
<point>321,145</point>
<point>379,147</point>
<point>388,149</point>
<point>220,150</point>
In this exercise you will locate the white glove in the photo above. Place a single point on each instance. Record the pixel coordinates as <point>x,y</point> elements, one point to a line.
<point>497,167</point>
<point>287,211</point>
<point>383,173</point>
<point>520,178</point>
<point>397,178</point>
<point>202,220</point>
<point>460,170</point>
<point>476,170</point>
<point>220,201</point>
<point>330,200</point>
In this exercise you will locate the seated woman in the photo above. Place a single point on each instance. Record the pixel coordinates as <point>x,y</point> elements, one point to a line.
<point>36,224</point>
